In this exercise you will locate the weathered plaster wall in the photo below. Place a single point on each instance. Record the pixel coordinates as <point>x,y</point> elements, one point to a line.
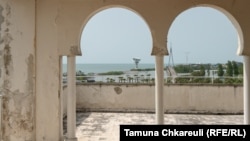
<point>177,98</point>
<point>17,59</point>
<point>33,33</point>
<point>47,71</point>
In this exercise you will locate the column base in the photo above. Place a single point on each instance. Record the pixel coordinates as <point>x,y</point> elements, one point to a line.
<point>71,139</point>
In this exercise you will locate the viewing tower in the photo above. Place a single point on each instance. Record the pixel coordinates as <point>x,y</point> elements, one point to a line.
<point>136,60</point>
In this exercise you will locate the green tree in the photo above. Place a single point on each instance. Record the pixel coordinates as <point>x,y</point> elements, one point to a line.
<point>208,69</point>
<point>235,68</point>
<point>220,70</point>
<point>229,70</point>
<point>240,68</point>
<point>80,73</point>
<point>202,70</point>
<point>196,73</point>
<point>183,69</point>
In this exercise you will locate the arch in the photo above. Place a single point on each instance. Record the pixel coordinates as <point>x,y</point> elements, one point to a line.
<point>235,24</point>
<point>88,18</point>
<point>230,17</point>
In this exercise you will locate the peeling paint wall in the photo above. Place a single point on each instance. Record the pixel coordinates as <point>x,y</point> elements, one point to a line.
<point>17,32</point>
<point>33,33</point>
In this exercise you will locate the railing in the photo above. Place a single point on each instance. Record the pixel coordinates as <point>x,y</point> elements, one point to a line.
<point>205,80</point>
<point>168,80</point>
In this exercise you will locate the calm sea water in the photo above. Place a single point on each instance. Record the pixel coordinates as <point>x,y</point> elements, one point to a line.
<point>99,68</point>
<point>93,70</point>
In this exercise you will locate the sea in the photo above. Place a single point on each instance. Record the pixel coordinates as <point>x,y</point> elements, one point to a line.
<point>94,70</point>
<point>101,68</point>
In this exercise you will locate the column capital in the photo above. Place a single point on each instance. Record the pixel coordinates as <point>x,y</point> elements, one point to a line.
<point>159,51</point>
<point>75,51</point>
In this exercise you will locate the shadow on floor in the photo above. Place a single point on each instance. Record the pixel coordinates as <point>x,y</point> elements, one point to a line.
<point>80,116</point>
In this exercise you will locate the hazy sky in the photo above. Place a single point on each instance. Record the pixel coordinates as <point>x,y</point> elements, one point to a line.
<point>198,35</point>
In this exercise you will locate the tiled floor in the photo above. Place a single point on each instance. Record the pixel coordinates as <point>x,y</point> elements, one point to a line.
<point>97,126</point>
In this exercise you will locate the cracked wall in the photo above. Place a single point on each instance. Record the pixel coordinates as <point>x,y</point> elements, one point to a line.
<point>17,70</point>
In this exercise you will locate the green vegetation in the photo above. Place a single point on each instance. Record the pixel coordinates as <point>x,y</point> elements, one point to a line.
<point>112,73</point>
<point>184,68</point>
<point>229,69</point>
<point>235,68</point>
<point>146,69</point>
<point>206,80</point>
<point>200,72</point>
<point>220,70</point>
<point>80,73</point>
<point>80,76</point>
<point>110,80</point>
<point>228,73</point>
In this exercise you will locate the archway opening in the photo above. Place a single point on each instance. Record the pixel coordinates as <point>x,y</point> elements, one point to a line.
<point>110,41</point>
<point>204,37</point>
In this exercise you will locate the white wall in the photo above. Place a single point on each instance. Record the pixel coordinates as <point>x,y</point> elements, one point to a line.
<point>177,98</point>
<point>48,116</point>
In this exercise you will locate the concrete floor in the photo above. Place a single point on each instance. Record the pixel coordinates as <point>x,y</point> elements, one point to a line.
<point>98,126</point>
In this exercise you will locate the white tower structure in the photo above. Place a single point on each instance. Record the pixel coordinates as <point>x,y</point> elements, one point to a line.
<point>170,67</point>
<point>137,60</point>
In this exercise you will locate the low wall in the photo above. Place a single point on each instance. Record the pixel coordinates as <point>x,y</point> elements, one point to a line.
<point>207,99</point>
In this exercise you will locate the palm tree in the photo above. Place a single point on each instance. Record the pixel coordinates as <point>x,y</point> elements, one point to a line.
<point>130,79</point>
<point>120,78</point>
<point>148,77</point>
<point>108,79</point>
<point>142,78</point>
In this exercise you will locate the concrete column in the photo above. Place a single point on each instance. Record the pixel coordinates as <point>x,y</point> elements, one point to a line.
<point>159,85</point>
<point>71,99</point>
<point>246,88</point>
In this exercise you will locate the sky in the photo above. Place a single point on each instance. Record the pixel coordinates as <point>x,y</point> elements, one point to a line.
<point>198,35</point>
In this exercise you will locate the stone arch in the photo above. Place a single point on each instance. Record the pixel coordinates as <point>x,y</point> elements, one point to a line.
<point>94,12</point>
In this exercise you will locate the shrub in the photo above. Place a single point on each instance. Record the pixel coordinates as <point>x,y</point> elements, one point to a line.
<point>112,73</point>
<point>218,80</point>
